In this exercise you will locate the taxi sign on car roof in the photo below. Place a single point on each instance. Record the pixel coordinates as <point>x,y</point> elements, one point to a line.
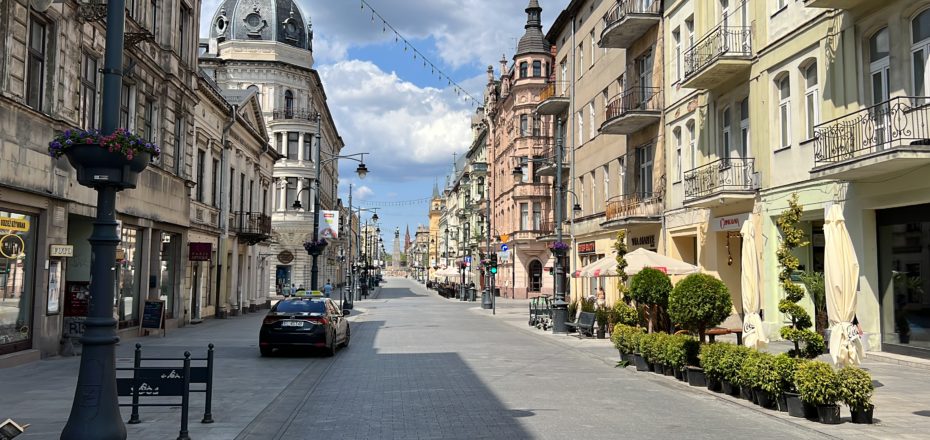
<point>316,293</point>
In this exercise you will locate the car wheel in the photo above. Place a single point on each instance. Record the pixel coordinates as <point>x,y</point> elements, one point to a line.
<point>345,343</point>
<point>266,351</point>
<point>330,349</point>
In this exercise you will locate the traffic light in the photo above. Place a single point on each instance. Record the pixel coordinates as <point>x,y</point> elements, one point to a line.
<point>493,264</point>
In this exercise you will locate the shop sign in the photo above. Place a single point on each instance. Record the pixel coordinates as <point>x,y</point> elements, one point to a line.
<point>200,251</point>
<point>329,226</point>
<point>12,246</point>
<point>728,223</point>
<point>285,257</point>
<point>586,247</point>
<point>61,250</point>
<point>644,241</point>
<point>14,224</point>
<point>77,304</point>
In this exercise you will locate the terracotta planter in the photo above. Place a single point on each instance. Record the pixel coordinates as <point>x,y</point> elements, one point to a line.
<point>863,416</point>
<point>696,377</point>
<point>97,167</point>
<point>828,414</point>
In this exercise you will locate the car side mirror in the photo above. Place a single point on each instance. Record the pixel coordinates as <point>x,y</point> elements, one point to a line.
<point>346,312</point>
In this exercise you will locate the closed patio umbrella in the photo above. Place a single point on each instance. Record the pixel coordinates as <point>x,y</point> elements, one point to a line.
<point>841,275</point>
<point>753,335</point>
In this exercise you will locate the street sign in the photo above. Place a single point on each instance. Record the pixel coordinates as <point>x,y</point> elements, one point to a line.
<point>504,247</point>
<point>468,259</point>
<point>503,257</point>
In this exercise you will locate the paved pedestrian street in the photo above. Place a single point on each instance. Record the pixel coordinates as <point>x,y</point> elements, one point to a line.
<point>418,367</point>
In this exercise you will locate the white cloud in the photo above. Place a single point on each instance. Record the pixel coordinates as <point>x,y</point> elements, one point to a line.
<point>362,192</point>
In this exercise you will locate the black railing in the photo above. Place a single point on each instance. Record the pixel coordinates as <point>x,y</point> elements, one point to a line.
<point>305,114</point>
<point>731,174</point>
<point>251,224</point>
<point>722,41</point>
<point>635,99</point>
<point>623,8</point>
<point>894,123</point>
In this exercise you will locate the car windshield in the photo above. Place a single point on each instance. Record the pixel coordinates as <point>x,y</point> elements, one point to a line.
<point>300,306</point>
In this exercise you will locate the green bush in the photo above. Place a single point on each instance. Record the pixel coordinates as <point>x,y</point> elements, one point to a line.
<point>731,362</point>
<point>625,314</point>
<point>855,388</point>
<point>652,346</point>
<point>635,336</point>
<point>588,305</point>
<point>681,351</point>
<point>699,302</point>
<point>650,288</point>
<point>784,367</point>
<point>600,316</point>
<point>572,310</point>
<point>711,358</point>
<point>817,383</point>
<point>792,237</point>
<point>625,337</point>
<point>766,376</point>
<point>748,373</point>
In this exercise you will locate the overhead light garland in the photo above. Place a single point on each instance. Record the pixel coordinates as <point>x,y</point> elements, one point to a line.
<point>385,25</point>
<point>412,202</point>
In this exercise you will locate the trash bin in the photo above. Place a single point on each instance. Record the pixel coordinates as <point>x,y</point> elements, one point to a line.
<point>485,300</point>
<point>472,291</point>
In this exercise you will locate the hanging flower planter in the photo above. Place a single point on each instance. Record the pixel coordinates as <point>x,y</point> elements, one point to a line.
<point>559,248</point>
<point>104,160</point>
<point>315,248</point>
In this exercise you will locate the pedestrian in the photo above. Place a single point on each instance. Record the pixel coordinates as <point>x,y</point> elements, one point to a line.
<point>601,297</point>
<point>328,289</point>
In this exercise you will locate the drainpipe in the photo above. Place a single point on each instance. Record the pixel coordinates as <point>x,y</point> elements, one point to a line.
<point>222,313</point>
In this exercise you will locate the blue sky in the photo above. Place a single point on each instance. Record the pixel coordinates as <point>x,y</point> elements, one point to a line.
<point>386,103</point>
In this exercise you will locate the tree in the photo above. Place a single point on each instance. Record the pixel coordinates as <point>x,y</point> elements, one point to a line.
<point>699,302</point>
<point>622,277</point>
<point>798,332</point>
<point>650,289</point>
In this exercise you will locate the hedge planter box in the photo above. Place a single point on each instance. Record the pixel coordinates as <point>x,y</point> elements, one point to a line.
<point>658,368</point>
<point>745,393</point>
<point>669,370</point>
<point>765,398</point>
<point>640,362</point>
<point>677,373</point>
<point>696,377</point>
<point>863,416</point>
<point>713,384</point>
<point>799,408</point>
<point>97,166</point>
<point>782,403</point>
<point>728,388</point>
<point>828,414</point>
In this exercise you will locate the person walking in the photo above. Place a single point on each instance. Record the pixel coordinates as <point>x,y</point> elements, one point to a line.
<point>328,289</point>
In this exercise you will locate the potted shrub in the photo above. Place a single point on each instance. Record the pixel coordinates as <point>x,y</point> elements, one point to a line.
<point>616,336</point>
<point>747,373</point>
<point>767,381</point>
<point>681,351</point>
<point>625,314</point>
<point>807,342</point>
<point>711,356</point>
<point>650,288</point>
<point>636,341</point>
<point>856,392</point>
<point>114,160</point>
<point>819,385</point>
<point>600,318</point>
<point>787,396</point>
<point>729,367</point>
<point>699,302</point>
<point>647,347</point>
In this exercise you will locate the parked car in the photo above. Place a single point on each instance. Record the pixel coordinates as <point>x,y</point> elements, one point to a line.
<point>304,322</point>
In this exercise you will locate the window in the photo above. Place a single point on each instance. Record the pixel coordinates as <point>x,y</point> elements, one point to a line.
<point>779,4</point>
<point>580,59</point>
<point>242,192</point>
<point>644,159</point>
<point>524,125</point>
<point>644,65</point>
<point>537,216</point>
<point>288,104</point>
<point>724,11</point>
<point>689,26</point>
<point>592,128</point>
<point>725,137</point>
<point>35,64</point>
<point>676,136</point>
<point>183,24</point>
<point>744,127</point>
<point>148,121</point>
<point>179,146</point>
<point>879,72</point>
<point>920,50</point>
<point>593,192</point>
<point>593,45</point>
<point>523,67</point>
<point>621,175</point>
<point>290,193</point>
<point>214,196</point>
<point>525,169</point>
<point>232,172</point>
<point>293,147</point>
<point>605,170</point>
<point>89,93</point>
<point>563,75</point>
<point>692,144</point>
<point>153,16</point>
<point>580,128</point>
<point>308,147</point>
<point>537,68</point>
<point>537,125</point>
<point>811,103</point>
<point>784,110</point>
<point>581,198</point>
<point>125,107</point>
<point>264,201</point>
<point>524,216</point>
<point>676,38</point>
<point>201,168</point>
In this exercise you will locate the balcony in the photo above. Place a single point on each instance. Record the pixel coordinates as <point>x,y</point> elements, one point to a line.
<point>723,56</point>
<point>635,208</point>
<point>628,20</point>
<point>548,167</point>
<point>531,191</point>
<point>535,232</point>
<point>554,99</point>
<point>479,168</point>
<point>302,114</point>
<point>633,110</point>
<point>251,227</point>
<point>721,182</point>
<point>833,4</point>
<point>883,140</point>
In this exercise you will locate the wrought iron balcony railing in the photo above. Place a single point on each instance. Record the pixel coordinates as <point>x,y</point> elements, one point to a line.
<point>305,114</point>
<point>251,226</point>
<point>624,8</point>
<point>898,122</point>
<point>722,41</point>
<point>636,98</point>
<point>731,174</point>
<point>638,204</point>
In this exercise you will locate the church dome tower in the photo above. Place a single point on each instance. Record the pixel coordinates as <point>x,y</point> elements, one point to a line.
<point>262,20</point>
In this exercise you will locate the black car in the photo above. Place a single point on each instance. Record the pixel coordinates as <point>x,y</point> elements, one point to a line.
<point>311,322</point>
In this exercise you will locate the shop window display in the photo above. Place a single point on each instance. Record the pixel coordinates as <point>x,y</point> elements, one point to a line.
<point>904,270</point>
<point>129,260</point>
<point>17,273</point>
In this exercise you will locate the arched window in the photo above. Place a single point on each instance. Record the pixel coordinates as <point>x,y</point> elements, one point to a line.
<point>535,272</point>
<point>288,104</point>
<point>920,52</point>
<point>523,67</point>
<point>879,73</point>
<point>784,110</point>
<point>676,135</point>
<point>537,68</point>
<point>811,98</point>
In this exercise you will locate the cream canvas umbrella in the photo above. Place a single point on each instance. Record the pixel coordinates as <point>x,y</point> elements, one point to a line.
<point>753,335</point>
<point>841,274</point>
<point>642,258</point>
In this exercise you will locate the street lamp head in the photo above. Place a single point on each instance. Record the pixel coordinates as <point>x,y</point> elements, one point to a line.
<point>362,170</point>
<point>377,230</point>
<point>297,204</point>
<point>577,208</point>
<point>518,172</point>
<point>374,217</point>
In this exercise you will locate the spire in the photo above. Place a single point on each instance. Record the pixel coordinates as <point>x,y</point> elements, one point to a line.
<point>533,40</point>
<point>435,188</point>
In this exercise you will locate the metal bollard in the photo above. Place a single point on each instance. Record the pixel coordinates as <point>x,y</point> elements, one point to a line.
<point>208,403</point>
<point>136,363</point>
<point>185,397</point>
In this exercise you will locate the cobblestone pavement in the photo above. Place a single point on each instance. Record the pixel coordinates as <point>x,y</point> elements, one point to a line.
<point>418,367</point>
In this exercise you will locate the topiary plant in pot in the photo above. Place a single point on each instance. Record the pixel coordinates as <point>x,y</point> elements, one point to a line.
<point>650,288</point>
<point>798,332</point>
<point>729,367</point>
<point>710,356</point>
<point>856,392</point>
<point>681,351</point>
<point>635,341</point>
<point>601,318</point>
<point>699,302</point>
<point>819,385</point>
<point>788,398</point>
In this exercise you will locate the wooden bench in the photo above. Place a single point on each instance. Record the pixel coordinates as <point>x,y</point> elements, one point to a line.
<point>720,331</point>
<point>584,324</point>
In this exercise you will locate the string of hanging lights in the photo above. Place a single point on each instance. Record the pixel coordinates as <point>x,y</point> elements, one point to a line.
<point>412,202</point>
<point>418,55</point>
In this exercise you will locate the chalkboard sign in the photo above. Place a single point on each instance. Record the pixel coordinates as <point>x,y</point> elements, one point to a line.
<point>153,314</point>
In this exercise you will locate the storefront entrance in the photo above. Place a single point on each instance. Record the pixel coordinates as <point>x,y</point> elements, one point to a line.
<point>904,271</point>
<point>17,275</point>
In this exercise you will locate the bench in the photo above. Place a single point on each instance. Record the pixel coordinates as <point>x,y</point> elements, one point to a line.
<point>584,324</point>
<point>720,331</point>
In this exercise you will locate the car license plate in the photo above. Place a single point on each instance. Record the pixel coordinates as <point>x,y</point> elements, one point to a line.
<point>292,324</point>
